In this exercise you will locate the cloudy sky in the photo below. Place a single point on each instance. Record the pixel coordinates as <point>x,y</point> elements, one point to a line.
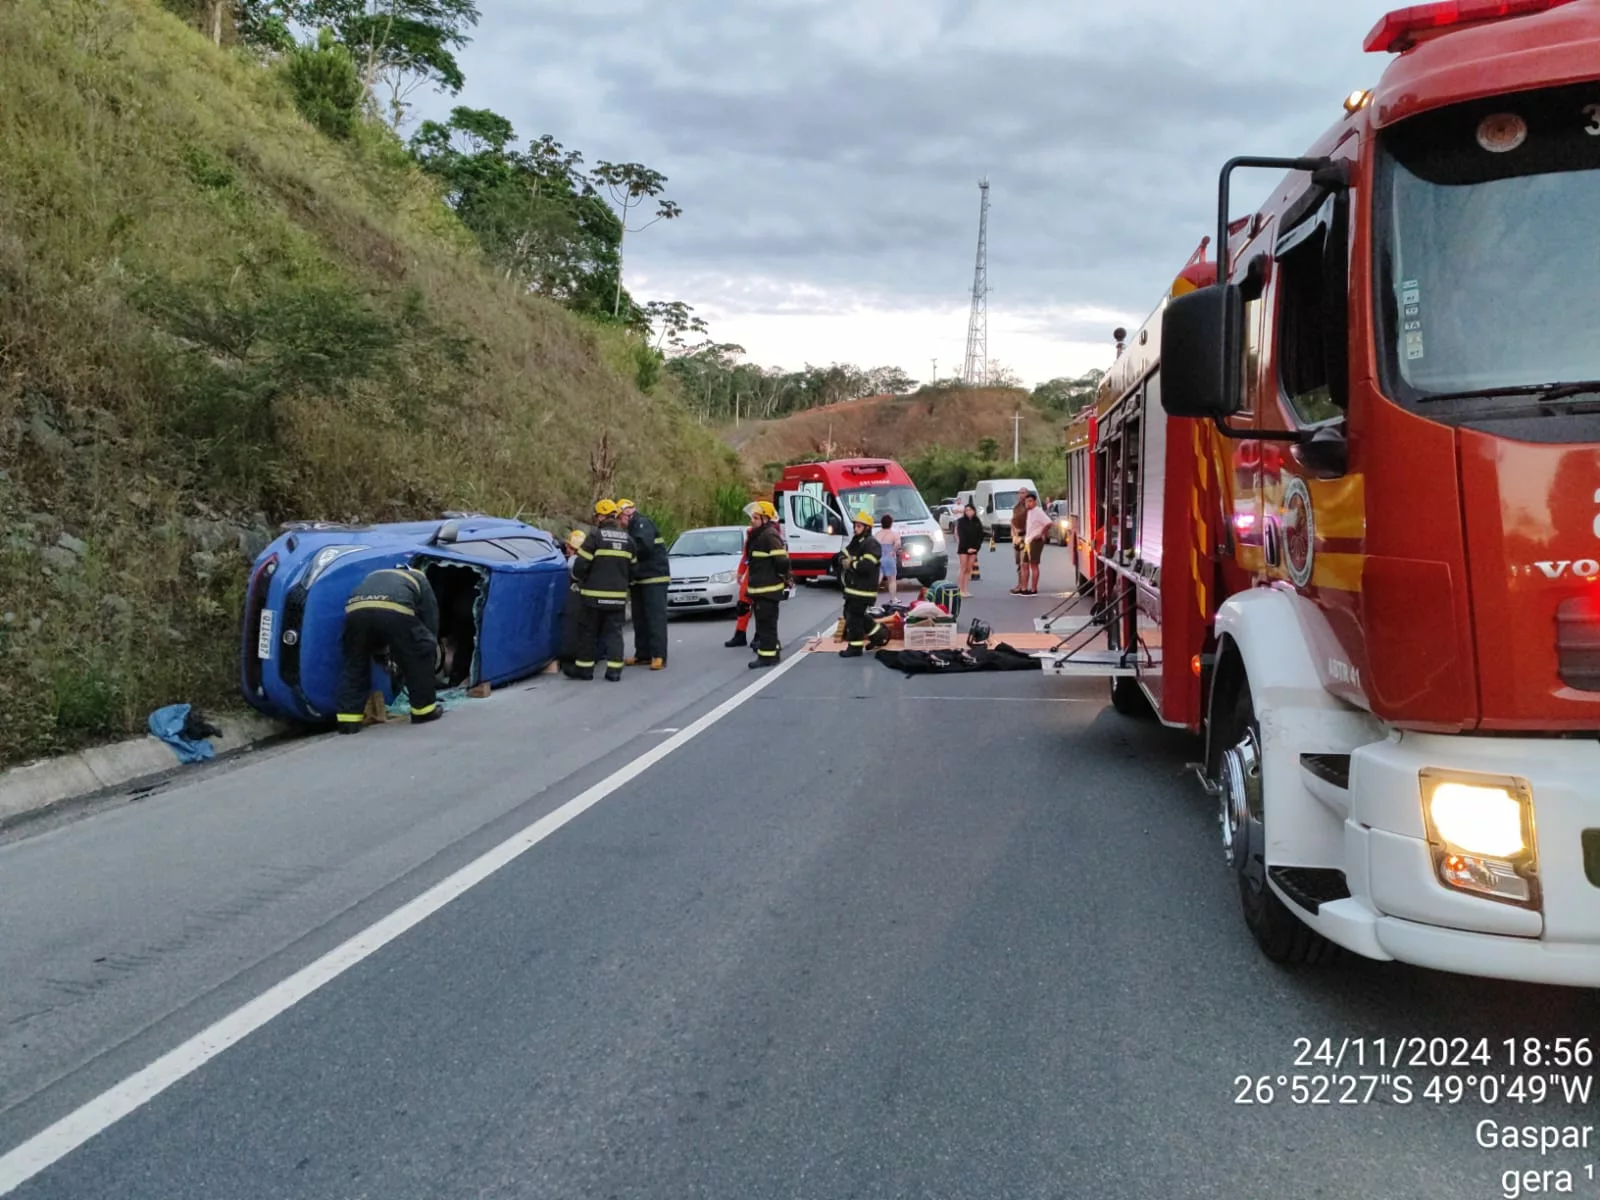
<point>826,153</point>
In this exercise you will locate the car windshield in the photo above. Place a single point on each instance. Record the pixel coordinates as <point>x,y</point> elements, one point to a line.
<point>1489,266</point>
<point>898,501</point>
<point>1004,500</point>
<point>702,543</point>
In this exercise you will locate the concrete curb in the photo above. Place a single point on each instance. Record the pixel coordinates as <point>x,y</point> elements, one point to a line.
<point>36,786</point>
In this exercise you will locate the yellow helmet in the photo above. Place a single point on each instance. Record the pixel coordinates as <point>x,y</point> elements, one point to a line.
<point>863,517</point>
<point>622,504</point>
<point>764,507</point>
<point>576,539</point>
<point>604,508</point>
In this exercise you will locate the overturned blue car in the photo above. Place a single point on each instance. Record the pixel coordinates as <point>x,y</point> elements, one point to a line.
<point>501,586</point>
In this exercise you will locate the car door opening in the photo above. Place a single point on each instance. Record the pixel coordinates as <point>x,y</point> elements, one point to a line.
<point>460,590</point>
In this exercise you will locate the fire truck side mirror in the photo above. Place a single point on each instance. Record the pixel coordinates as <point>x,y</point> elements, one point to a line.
<point>1199,358</point>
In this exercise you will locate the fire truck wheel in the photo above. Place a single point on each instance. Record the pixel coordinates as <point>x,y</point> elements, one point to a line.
<point>1282,936</point>
<point>1128,698</point>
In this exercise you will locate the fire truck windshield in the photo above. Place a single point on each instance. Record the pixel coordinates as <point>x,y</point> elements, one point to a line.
<point>1489,267</point>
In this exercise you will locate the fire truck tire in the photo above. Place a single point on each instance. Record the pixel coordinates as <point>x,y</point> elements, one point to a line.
<point>1128,698</point>
<point>1281,935</point>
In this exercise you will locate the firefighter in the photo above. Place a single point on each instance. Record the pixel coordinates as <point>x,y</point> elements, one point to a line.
<point>862,561</point>
<point>571,614</point>
<point>741,627</point>
<point>394,615</point>
<point>603,569</point>
<point>770,577</point>
<point>652,574</point>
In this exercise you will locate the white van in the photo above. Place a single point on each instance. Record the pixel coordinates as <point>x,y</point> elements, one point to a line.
<point>994,499</point>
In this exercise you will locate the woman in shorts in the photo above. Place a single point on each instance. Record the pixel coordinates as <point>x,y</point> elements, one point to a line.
<point>889,539</point>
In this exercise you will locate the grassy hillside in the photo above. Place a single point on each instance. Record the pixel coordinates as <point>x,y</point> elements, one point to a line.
<point>212,319</point>
<point>936,432</point>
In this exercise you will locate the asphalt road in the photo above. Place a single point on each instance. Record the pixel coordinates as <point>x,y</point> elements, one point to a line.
<point>867,936</point>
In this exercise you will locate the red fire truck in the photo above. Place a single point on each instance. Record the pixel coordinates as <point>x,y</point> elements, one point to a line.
<point>1343,511</point>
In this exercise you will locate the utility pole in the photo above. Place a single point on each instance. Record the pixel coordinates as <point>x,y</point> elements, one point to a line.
<point>1016,438</point>
<point>976,370</point>
<point>936,370</point>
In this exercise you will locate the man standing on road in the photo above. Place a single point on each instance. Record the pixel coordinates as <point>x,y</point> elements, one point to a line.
<point>859,577</point>
<point>1019,537</point>
<point>394,609</point>
<point>1034,530</point>
<point>652,574</point>
<point>769,580</point>
<point>604,570</point>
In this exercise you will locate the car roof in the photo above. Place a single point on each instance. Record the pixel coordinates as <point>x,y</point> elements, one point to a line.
<point>716,529</point>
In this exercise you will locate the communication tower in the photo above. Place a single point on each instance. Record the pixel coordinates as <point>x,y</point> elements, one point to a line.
<point>976,370</point>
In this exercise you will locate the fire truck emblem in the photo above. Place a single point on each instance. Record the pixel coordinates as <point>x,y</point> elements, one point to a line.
<point>1297,530</point>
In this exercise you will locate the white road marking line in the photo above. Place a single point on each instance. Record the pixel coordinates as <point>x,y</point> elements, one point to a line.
<point>79,1126</point>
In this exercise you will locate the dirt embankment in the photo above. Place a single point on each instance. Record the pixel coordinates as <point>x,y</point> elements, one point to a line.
<point>897,426</point>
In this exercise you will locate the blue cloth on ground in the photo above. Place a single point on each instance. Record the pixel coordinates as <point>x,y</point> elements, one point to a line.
<point>167,724</point>
<point>449,698</point>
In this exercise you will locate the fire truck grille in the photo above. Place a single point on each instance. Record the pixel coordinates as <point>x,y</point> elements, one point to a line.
<point>1578,643</point>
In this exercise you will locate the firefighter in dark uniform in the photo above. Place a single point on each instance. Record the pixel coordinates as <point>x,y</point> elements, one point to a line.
<point>394,610</point>
<point>604,570</point>
<point>571,614</point>
<point>652,574</point>
<point>741,627</point>
<point>770,577</point>
<point>863,559</point>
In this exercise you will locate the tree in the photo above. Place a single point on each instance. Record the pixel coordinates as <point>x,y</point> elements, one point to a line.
<point>401,44</point>
<point>326,85</point>
<point>988,449</point>
<point>630,185</point>
<point>671,320</point>
<point>1001,376</point>
<point>535,213</point>
<point>1064,397</point>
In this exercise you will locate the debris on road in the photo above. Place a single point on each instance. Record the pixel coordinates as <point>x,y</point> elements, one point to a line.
<point>186,731</point>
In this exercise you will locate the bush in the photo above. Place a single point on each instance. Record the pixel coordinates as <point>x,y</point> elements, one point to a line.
<point>326,85</point>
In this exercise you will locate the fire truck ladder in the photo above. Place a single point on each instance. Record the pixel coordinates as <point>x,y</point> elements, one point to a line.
<point>1074,654</point>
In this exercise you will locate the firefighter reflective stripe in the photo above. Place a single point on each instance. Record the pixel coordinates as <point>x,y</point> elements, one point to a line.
<point>767,653</point>
<point>351,718</point>
<point>659,579</point>
<point>871,558</point>
<point>595,595</point>
<point>863,595</point>
<point>583,665</point>
<point>425,709</point>
<point>607,552</point>
<point>584,554</point>
<point>763,591</point>
<point>781,553</point>
<point>387,605</point>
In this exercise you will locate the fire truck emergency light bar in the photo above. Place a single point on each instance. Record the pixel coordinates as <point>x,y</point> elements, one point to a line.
<point>1395,31</point>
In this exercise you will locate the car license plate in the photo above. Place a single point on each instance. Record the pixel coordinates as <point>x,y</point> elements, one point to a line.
<point>264,638</point>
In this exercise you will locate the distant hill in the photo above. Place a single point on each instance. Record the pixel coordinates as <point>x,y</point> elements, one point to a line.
<point>901,427</point>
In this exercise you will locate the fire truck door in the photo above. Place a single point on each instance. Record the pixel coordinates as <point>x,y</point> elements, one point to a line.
<point>806,522</point>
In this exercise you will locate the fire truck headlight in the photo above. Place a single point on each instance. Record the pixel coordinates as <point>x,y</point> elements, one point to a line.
<point>1480,828</point>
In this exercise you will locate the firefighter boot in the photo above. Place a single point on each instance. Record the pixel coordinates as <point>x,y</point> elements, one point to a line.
<point>658,664</point>
<point>613,674</point>
<point>852,652</point>
<point>739,638</point>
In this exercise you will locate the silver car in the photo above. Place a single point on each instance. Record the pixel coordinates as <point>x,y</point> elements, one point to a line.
<point>705,569</point>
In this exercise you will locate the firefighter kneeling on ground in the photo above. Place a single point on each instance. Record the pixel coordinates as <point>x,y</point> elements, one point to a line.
<point>861,564</point>
<point>603,570</point>
<point>769,581</point>
<point>394,610</point>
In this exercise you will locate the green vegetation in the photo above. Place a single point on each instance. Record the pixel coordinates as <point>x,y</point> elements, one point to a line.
<point>228,297</point>
<point>943,472</point>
